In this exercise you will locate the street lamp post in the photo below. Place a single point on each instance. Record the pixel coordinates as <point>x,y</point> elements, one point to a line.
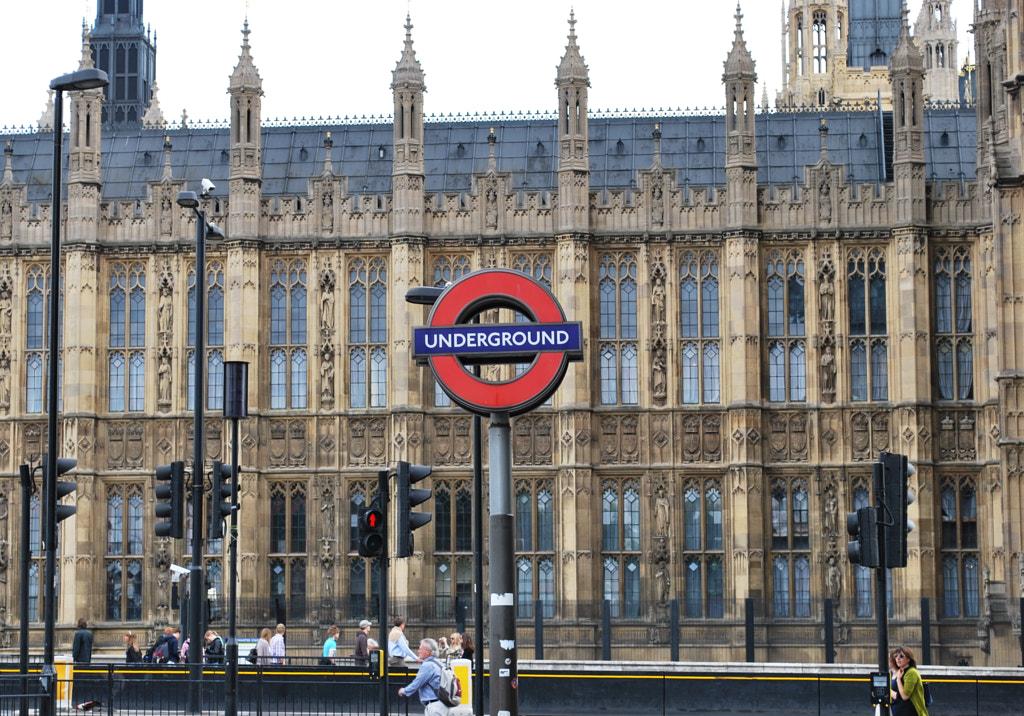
<point>196,583</point>
<point>90,78</point>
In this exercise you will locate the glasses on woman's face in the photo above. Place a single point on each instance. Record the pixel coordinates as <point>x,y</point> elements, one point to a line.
<point>900,656</point>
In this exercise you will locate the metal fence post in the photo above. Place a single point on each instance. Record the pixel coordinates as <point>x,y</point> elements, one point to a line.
<point>926,631</point>
<point>538,630</point>
<point>748,608</point>
<point>830,644</point>
<point>606,630</point>
<point>673,611</point>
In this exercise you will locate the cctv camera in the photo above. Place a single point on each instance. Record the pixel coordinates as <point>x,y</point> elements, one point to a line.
<point>208,186</point>
<point>178,569</point>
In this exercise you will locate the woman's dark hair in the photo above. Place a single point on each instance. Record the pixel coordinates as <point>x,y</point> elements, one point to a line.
<point>911,661</point>
<point>467,641</point>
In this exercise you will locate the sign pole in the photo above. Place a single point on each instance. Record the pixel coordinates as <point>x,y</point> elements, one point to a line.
<point>503,653</point>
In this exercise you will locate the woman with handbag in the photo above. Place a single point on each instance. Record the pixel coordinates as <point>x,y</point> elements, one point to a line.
<point>909,684</point>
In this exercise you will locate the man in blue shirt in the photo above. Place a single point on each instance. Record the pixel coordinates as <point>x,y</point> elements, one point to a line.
<point>427,681</point>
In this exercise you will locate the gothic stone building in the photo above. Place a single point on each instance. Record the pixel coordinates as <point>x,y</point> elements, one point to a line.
<point>769,299</point>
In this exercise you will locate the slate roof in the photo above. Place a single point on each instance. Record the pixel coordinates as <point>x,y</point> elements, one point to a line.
<point>691,144</point>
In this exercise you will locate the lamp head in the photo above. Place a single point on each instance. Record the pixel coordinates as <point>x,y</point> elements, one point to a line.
<point>214,232</point>
<point>423,295</point>
<point>188,199</point>
<point>89,78</point>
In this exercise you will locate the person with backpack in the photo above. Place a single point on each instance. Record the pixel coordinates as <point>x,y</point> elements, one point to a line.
<point>908,680</point>
<point>428,680</point>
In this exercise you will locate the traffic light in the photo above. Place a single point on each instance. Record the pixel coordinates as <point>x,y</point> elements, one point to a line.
<point>223,492</point>
<point>862,525</point>
<point>62,488</point>
<point>372,535</point>
<point>409,497</point>
<point>170,498</point>
<point>896,473</point>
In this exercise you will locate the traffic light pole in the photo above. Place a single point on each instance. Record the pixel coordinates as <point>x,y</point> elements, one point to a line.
<point>503,652</point>
<point>195,571</point>
<point>881,575</point>
<point>383,484</point>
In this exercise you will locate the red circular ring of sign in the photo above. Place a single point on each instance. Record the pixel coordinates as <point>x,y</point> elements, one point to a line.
<point>508,289</point>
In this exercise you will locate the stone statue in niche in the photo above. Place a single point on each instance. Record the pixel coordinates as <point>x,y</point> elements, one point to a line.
<point>5,379</point>
<point>831,520</point>
<point>659,386</point>
<point>491,207</point>
<point>166,215</point>
<point>657,205</point>
<point>164,381</point>
<point>163,311</point>
<point>664,584</point>
<point>658,297</point>
<point>825,202</point>
<point>326,304</point>
<point>6,308</point>
<point>327,215</point>
<point>828,374</point>
<point>327,374</point>
<point>833,577</point>
<point>6,220</point>
<point>827,300</point>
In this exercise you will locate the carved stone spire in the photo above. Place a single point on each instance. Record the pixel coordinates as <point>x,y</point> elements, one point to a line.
<point>245,89</point>
<point>572,82</point>
<point>408,73</point>
<point>739,62</point>
<point>408,169</point>
<point>245,75</point>
<point>572,69</point>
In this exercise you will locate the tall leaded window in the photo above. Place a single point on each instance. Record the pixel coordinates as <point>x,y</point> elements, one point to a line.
<point>126,361</point>
<point>448,269</point>
<point>618,332</point>
<point>124,553</point>
<point>214,336</point>
<point>862,590</point>
<point>535,545</point>
<point>959,547</point>
<point>787,348</point>
<point>37,316</point>
<point>869,351</point>
<point>288,356</point>
<point>954,343</point>
<point>703,549</point>
<point>453,543</point>
<point>819,38</point>
<point>363,573</point>
<point>368,333</point>
<point>699,328</point>
<point>620,546</point>
<point>288,553</point>
<point>791,561</point>
<point>36,566</point>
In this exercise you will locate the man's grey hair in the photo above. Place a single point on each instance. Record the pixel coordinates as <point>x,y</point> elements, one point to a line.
<point>430,644</point>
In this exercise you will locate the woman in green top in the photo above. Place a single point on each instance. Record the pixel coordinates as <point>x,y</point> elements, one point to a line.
<point>908,680</point>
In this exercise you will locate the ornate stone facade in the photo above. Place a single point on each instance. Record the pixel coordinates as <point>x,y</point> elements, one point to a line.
<point>752,342</point>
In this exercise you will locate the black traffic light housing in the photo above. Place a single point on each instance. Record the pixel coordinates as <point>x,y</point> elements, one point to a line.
<point>223,496</point>
<point>862,525</point>
<point>170,500</point>
<point>408,497</point>
<point>896,472</point>
<point>64,464</point>
<point>372,531</point>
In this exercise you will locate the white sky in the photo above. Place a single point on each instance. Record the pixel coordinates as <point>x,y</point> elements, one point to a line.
<point>324,58</point>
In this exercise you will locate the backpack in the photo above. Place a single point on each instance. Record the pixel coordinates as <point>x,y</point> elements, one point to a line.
<point>252,655</point>
<point>450,689</point>
<point>161,653</point>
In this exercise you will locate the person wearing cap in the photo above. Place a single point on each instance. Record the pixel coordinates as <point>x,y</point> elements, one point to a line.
<point>362,654</point>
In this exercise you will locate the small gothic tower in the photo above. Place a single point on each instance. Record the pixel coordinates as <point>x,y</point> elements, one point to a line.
<point>84,140</point>
<point>739,79</point>
<point>123,49</point>
<point>408,87</point>
<point>573,152</point>
<point>245,88</point>
<point>935,32</point>
<point>814,35</point>
<point>907,76</point>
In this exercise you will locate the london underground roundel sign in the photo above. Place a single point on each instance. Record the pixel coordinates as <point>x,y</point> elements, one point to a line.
<point>450,342</point>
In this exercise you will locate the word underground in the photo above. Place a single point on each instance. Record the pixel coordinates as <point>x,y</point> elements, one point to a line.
<point>497,339</point>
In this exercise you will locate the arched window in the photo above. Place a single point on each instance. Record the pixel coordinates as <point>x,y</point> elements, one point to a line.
<point>620,545</point>
<point>819,36</point>
<point>124,553</point>
<point>617,289</point>
<point>959,547</point>
<point>288,363</point>
<point>869,372</point>
<point>699,328</point>
<point>790,543</point>
<point>367,335</point>
<point>786,322</point>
